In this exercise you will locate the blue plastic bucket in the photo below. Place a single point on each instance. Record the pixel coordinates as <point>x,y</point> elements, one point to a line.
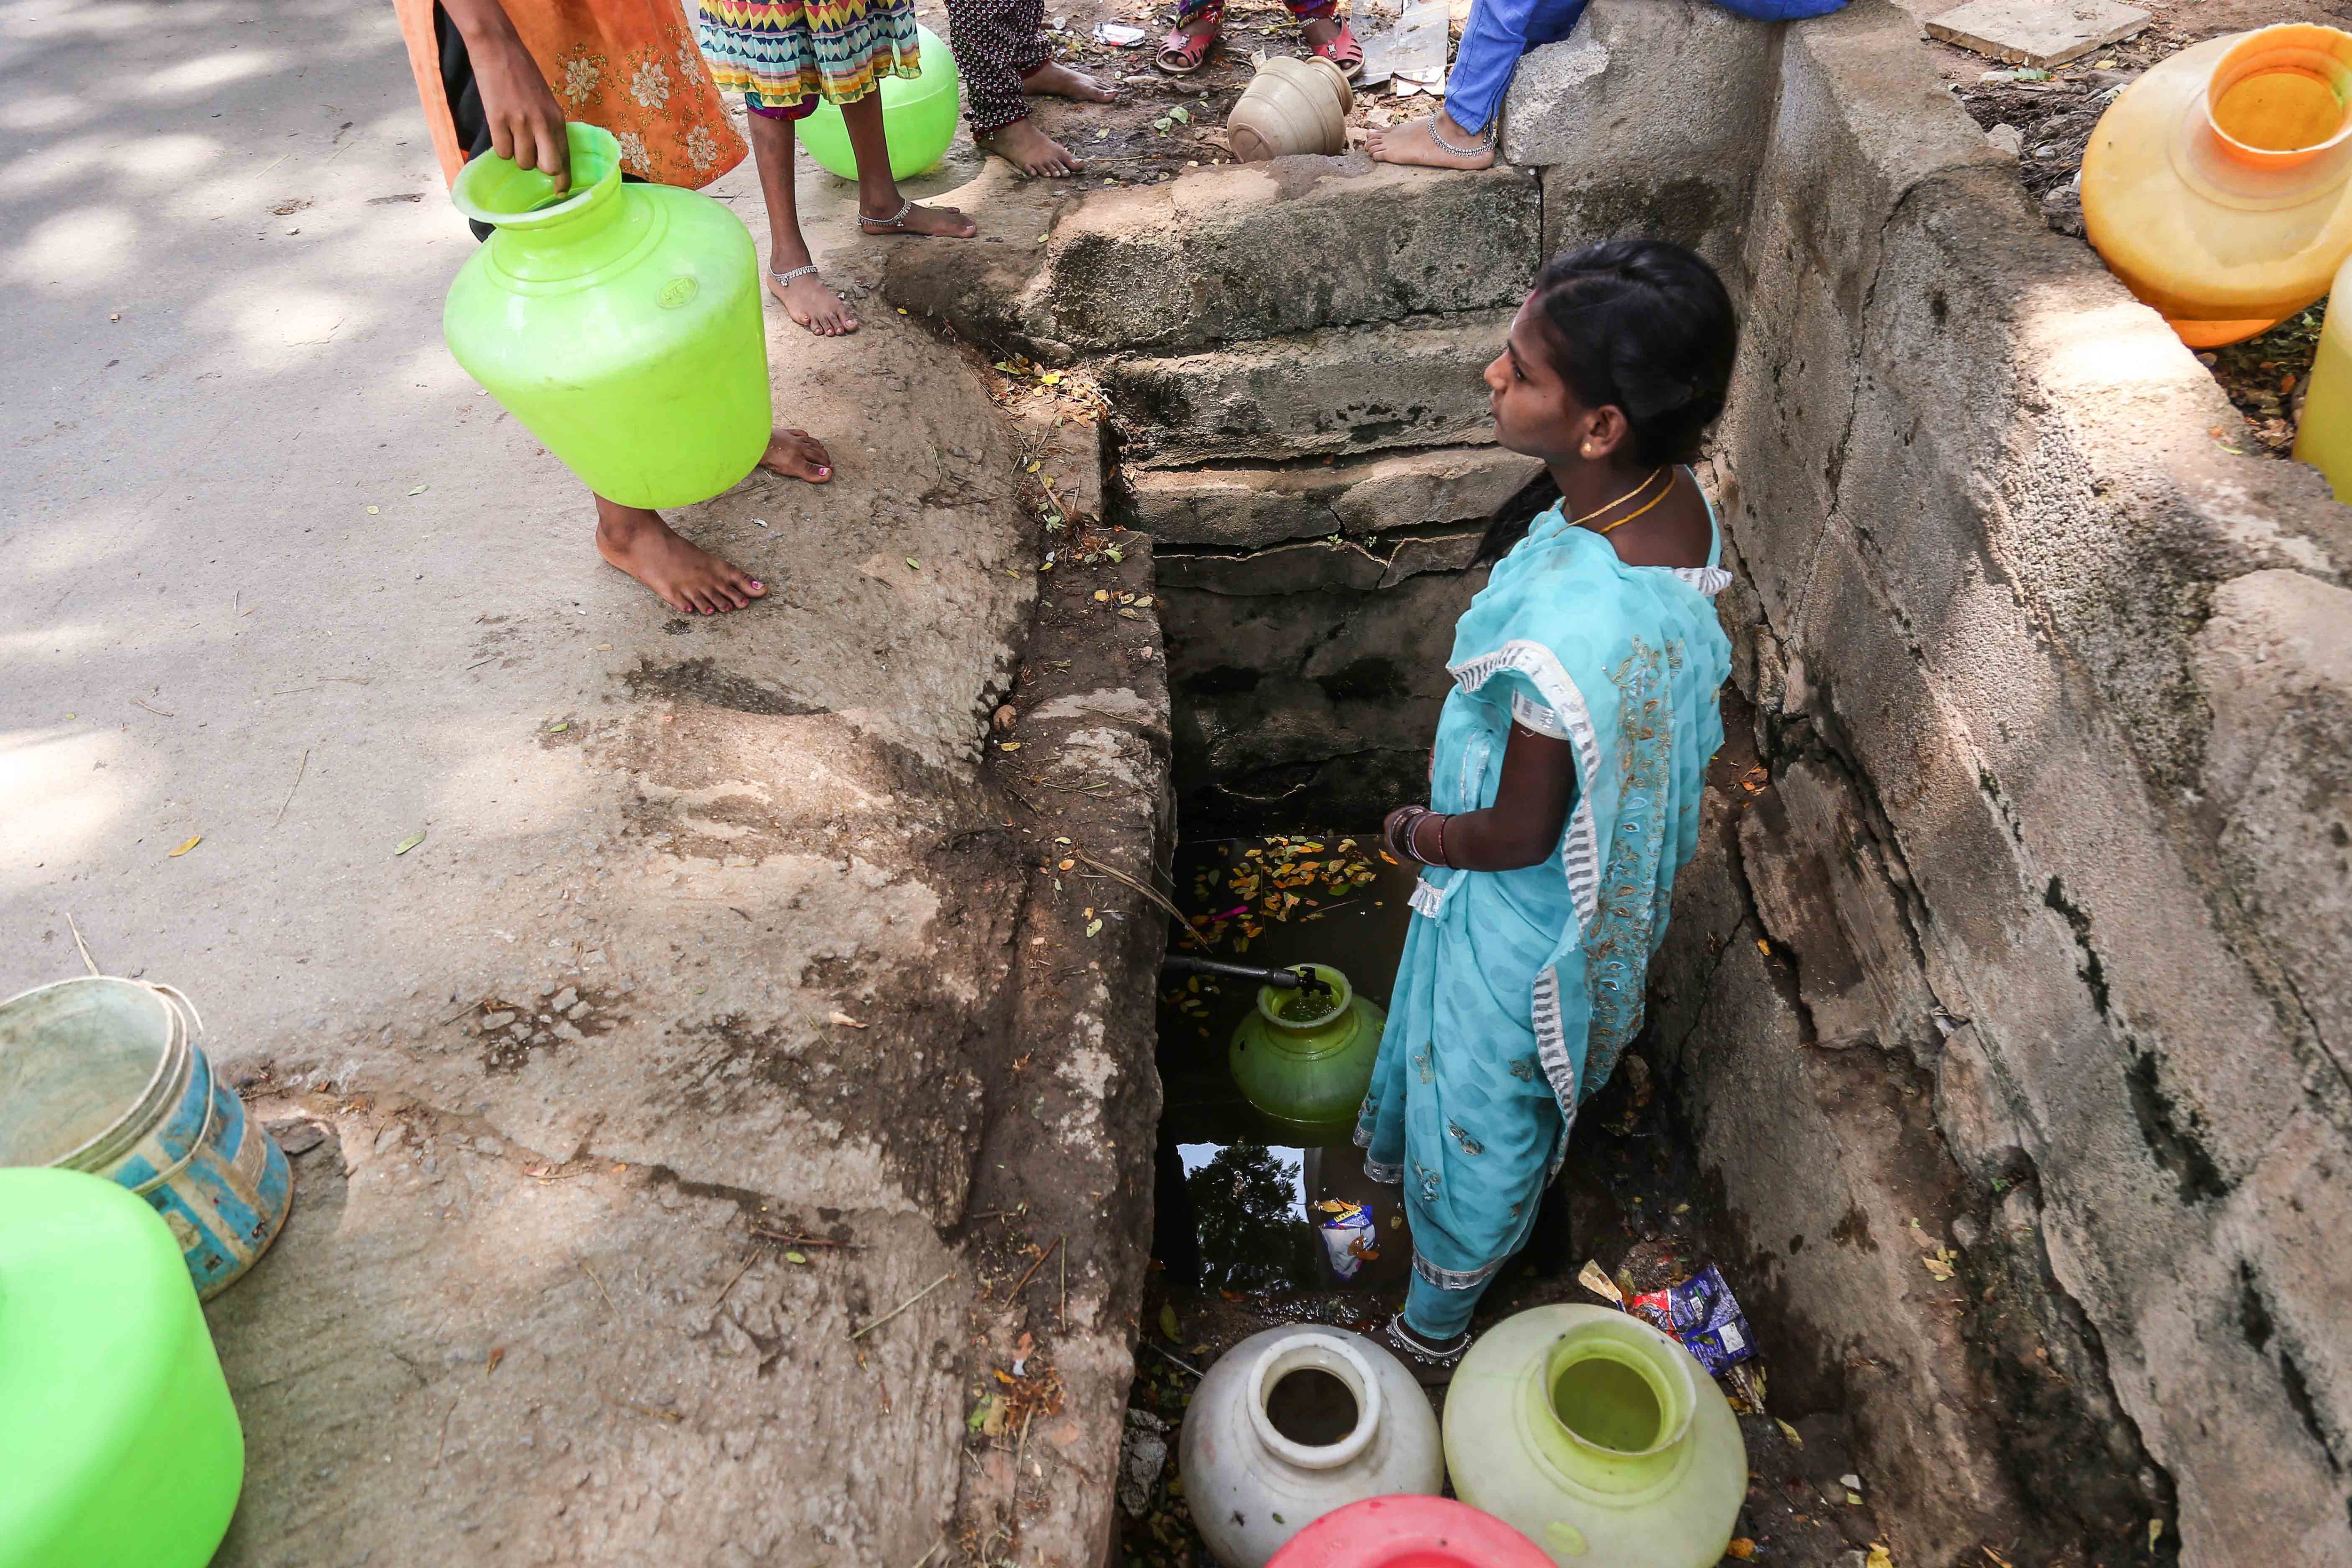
<point>102,1075</point>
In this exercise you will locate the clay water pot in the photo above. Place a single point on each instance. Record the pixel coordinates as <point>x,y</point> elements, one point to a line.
<point>1291,106</point>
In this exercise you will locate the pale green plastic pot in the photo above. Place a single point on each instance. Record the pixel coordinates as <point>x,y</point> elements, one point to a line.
<point>1599,1438</point>
<point>918,117</point>
<point>620,324</point>
<point>119,1446</point>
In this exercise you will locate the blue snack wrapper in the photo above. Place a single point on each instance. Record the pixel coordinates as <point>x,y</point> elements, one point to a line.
<point>1703,1316</point>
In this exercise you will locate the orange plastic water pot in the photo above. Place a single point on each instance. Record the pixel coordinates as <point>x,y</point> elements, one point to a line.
<point>2219,187</point>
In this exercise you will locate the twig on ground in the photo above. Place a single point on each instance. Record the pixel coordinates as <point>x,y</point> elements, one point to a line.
<point>717,1300</point>
<point>861,1334</point>
<point>1036,1266</point>
<point>142,702</point>
<point>1154,894</point>
<point>766,1235</point>
<point>600,1287</point>
<point>80,945</point>
<point>1180,1361</point>
<point>302,768</point>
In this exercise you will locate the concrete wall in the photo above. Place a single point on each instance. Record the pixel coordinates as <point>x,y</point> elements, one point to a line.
<point>2025,938</point>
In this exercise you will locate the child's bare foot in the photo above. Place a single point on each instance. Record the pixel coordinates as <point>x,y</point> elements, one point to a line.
<point>1030,150</point>
<point>687,578</point>
<point>942,223</point>
<point>808,301</point>
<point>797,455</point>
<point>1055,79</point>
<point>1416,142</point>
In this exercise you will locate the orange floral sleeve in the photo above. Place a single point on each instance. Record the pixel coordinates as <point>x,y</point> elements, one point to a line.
<point>630,65</point>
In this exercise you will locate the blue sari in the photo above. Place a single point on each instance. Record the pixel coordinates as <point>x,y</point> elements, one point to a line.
<point>1519,988</point>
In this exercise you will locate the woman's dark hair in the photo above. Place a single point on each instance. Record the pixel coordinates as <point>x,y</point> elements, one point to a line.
<point>1646,326</point>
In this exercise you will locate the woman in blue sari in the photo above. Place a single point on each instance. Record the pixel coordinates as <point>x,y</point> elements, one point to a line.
<point>1565,780</point>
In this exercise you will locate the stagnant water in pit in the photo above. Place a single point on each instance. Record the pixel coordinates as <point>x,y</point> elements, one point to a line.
<point>1235,1250</point>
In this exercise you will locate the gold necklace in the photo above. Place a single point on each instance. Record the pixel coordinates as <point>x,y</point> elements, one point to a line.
<point>1637,511</point>
<point>1621,500</point>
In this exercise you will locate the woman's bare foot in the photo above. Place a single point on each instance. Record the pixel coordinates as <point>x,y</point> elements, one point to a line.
<point>942,223</point>
<point>1055,79</point>
<point>808,301</point>
<point>687,578</point>
<point>1030,150</point>
<point>1416,143</point>
<point>797,455</point>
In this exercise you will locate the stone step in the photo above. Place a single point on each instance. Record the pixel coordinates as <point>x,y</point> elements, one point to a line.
<point>1258,250</point>
<point>1335,393</point>
<point>1248,508</point>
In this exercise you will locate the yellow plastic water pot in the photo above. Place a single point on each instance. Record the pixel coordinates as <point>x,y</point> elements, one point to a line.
<point>2219,185</point>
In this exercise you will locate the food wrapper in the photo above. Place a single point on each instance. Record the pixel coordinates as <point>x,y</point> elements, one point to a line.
<point>1703,1316</point>
<point>1348,1238</point>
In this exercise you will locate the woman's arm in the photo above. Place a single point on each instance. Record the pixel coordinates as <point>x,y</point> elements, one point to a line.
<point>1522,828</point>
<point>526,122</point>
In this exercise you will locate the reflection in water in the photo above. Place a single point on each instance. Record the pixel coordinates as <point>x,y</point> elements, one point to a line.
<point>1249,1205</point>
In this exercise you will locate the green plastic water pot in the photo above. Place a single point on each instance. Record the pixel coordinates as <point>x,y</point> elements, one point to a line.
<point>117,1441</point>
<point>1305,1059</point>
<point>620,324</point>
<point>1599,1438</point>
<point>919,116</point>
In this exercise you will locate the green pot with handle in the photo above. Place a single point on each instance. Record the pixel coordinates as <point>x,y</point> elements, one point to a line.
<point>619,323</point>
<point>1304,1058</point>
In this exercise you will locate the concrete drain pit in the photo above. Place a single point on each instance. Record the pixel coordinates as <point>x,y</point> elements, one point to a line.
<point>2003,1008</point>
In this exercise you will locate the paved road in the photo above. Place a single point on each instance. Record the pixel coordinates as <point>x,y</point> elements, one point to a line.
<point>282,581</point>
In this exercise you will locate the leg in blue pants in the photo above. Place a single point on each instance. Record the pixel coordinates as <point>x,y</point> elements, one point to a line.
<point>1498,34</point>
<point>1463,137</point>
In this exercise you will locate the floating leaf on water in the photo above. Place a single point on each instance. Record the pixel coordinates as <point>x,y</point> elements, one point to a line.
<point>194,840</point>
<point>409,843</point>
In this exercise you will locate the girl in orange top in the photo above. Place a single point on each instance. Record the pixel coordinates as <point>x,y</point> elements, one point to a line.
<point>504,78</point>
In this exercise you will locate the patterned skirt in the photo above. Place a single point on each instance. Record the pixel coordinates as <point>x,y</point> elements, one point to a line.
<point>782,51</point>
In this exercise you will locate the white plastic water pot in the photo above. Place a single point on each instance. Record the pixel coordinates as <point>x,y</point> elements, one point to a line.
<point>1293,1423</point>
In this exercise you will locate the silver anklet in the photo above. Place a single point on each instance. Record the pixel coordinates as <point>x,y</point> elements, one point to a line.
<point>795,272</point>
<point>893,221</point>
<point>1486,144</point>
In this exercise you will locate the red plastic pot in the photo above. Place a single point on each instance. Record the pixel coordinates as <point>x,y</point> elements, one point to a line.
<point>1409,1532</point>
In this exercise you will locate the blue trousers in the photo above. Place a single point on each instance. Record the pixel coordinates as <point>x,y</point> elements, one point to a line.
<point>1498,34</point>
